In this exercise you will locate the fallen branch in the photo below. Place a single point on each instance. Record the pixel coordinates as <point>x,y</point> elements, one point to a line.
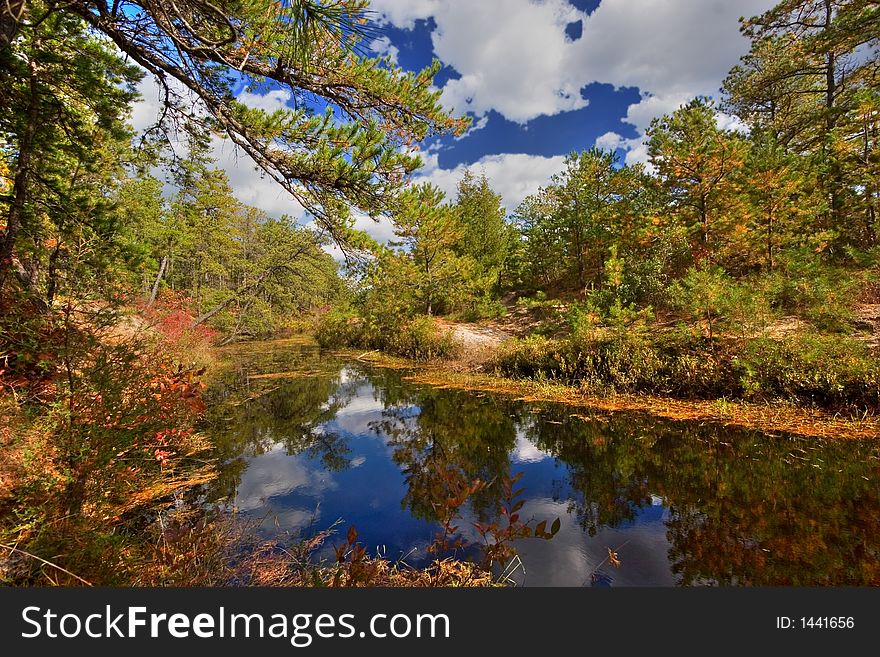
<point>48,563</point>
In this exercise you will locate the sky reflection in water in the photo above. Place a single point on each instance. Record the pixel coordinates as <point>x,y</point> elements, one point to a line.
<point>682,504</point>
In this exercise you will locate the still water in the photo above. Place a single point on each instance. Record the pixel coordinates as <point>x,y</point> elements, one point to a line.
<point>308,440</point>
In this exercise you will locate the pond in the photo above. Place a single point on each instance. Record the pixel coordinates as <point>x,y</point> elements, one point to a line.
<point>309,441</point>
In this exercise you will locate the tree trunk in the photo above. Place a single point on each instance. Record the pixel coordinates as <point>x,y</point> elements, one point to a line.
<point>20,187</point>
<point>704,220</point>
<point>834,193</point>
<point>52,274</point>
<point>237,328</point>
<point>155,291</point>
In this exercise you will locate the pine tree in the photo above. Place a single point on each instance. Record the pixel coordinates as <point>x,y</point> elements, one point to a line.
<point>484,233</point>
<point>65,96</point>
<point>695,161</point>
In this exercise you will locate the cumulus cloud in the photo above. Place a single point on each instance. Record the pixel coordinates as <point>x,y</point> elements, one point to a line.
<point>511,54</point>
<point>609,141</point>
<point>268,102</point>
<point>403,13</point>
<point>512,175</point>
<point>514,57</point>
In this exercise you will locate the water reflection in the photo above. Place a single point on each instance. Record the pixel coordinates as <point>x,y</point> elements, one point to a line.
<point>681,503</point>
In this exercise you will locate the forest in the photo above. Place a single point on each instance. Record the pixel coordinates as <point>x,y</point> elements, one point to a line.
<point>740,262</point>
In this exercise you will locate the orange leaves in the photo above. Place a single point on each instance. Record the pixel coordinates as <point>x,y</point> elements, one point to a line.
<point>613,558</point>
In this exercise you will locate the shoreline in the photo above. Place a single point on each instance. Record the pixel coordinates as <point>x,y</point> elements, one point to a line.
<point>769,417</point>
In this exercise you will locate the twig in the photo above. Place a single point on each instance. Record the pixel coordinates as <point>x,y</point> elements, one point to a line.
<point>48,563</point>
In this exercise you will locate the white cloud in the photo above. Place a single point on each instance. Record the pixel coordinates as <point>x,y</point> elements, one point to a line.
<point>513,55</point>
<point>479,124</point>
<point>728,122</point>
<point>663,46</point>
<point>380,229</point>
<point>651,106</point>
<point>609,141</point>
<point>403,13</point>
<point>512,175</point>
<point>145,112</point>
<point>382,46</point>
<point>250,185</point>
<point>268,102</point>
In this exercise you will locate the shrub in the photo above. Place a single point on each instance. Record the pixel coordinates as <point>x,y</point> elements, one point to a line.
<point>422,339</point>
<point>418,339</point>
<point>831,372</point>
<point>532,357</point>
<point>821,294</point>
<point>824,370</point>
<point>338,328</point>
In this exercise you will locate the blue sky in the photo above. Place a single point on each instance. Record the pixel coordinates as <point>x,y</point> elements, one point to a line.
<point>540,78</point>
<point>543,78</point>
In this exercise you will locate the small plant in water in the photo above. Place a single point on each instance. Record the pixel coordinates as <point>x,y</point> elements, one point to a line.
<point>355,568</point>
<point>499,534</point>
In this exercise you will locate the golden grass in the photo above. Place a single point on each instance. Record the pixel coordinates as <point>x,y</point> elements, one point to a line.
<point>302,374</point>
<point>266,346</point>
<point>765,417</point>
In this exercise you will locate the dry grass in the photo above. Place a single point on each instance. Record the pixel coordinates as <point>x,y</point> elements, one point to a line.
<point>303,374</point>
<point>189,549</point>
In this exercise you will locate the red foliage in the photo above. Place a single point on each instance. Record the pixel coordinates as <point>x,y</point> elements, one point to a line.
<point>173,315</point>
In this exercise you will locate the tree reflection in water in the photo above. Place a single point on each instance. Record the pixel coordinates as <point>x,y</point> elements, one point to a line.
<point>741,507</point>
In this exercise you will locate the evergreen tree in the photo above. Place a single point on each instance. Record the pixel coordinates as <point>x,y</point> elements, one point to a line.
<point>485,237</point>
<point>695,161</point>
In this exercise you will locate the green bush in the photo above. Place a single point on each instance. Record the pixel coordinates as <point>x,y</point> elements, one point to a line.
<point>421,339</point>
<point>815,291</point>
<point>483,307</point>
<point>339,328</point>
<point>832,372</point>
<point>418,339</point>
<point>829,371</point>
<point>534,357</point>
